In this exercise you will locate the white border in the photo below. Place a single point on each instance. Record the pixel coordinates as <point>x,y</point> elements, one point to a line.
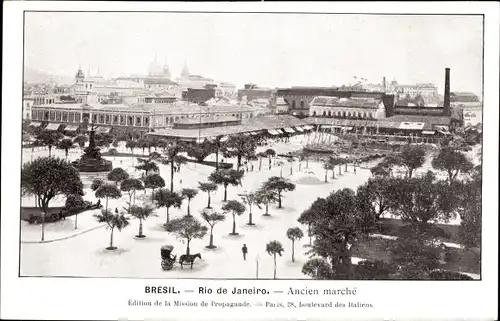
<point>103,299</point>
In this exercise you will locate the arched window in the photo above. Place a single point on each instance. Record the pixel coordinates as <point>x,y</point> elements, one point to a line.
<point>301,104</point>
<point>293,104</point>
<point>130,121</point>
<point>324,113</point>
<point>329,114</point>
<point>314,113</point>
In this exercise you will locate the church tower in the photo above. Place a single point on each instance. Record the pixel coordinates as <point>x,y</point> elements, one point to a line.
<point>79,76</point>
<point>185,71</point>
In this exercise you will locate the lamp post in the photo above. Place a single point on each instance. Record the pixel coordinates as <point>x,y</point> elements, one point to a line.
<point>257,266</point>
<point>43,226</point>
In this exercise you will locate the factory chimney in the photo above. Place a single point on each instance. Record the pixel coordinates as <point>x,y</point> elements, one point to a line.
<point>446,109</point>
<point>384,84</point>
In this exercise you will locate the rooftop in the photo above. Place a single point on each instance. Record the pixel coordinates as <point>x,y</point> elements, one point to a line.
<point>389,122</point>
<point>357,102</point>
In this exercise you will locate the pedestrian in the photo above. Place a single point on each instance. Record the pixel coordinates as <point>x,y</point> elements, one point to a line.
<point>180,181</point>
<point>116,210</point>
<point>244,249</point>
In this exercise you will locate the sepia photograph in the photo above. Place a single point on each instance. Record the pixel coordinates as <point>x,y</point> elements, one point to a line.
<point>198,145</point>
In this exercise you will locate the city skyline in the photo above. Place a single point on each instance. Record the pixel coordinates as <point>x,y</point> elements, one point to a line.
<point>272,50</point>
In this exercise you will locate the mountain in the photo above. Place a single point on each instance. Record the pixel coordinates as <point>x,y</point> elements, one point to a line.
<point>34,76</point>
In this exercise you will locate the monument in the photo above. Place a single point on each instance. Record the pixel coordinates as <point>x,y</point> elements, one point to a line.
<point>91,160</point>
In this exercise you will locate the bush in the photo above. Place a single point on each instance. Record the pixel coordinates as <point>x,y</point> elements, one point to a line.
<point>74,203</point>
<point>424,229</point>
<point>448,275</point>
<point>373,270</point>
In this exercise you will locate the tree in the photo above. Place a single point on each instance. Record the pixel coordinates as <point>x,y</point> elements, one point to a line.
<point>270,153</point>
<point>153,181</point>
<point>383,169</point>
<point>108,191</point>
<point>312,215</point>
<point>166,198</point>
<point>147,165</point>
<point>290,161</point>
<point>179,160</point>
<point>375,194</point>
<point>113,221</point>
<point>172,154</point>
<point>469,208</point>
<point>49,138</point>
<point>200,151</point>
<point>279,185</point>
<point>414,255</point>
<point>327,166</point>
<point>420,199</point>
<point>186,228</point>
<point>96,183</point>
<point>142,213</point>
<point>226,177</point>
<point>373,270</point>
<point>239,146</point>
<point>260,156</point>
<point>452,161</point>
<point>117,175</point>
<point>318,269</point>
<point>131,144</point>
<point>265,197</point>
<point>142,144</point>
<point>411,158</point>
<point>131,185</point>
<point>209,188</point>
<point>74,203</point>
<point>189,193</point>
<point>336,228</point>
<point>273,248</point>
<point>280,163</point>
<point>249,199</point>
<point>65,144</point>
<point>212,218</point>
<point>47,177</point>
<point>236,208</point>
<point>294,233</point>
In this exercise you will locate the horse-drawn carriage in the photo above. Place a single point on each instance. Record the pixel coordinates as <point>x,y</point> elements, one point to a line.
<point>168,260</point>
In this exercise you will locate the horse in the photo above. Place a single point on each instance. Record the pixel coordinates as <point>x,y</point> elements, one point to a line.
<point>189,259</point>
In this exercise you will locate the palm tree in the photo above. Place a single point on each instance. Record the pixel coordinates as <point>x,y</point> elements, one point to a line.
<point>280,163</point>
<point>294,233</point>
<point>261,155</point>
<point>80,140</point>
<point>172,154</point>
<point>131,185</point>
<point>290,160</point>
<point>189,193</point>
<point>266,196</point>
<point>249,199</point>
<point>273,248</point>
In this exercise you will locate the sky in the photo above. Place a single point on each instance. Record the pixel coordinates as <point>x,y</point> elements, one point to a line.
<point>274,50</point>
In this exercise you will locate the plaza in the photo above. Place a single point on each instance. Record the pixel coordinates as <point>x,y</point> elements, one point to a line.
<point>81,252</point>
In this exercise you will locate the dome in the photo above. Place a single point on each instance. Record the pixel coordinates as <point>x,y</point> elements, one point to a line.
<point>155,69</point>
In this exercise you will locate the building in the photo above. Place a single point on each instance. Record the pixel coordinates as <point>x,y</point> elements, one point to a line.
<point>27,104</point>
<point>209,128</point>
<point>347,108</point>
<point>412,91</point>
<point>280,106</point>
<point>300,98</point>
<point>202,95</point>
<point>145,117</point>
<point>252,92</point>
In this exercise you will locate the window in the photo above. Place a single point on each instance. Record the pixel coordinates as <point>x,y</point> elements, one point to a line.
<point>46,116</point>
<point>301,104</point>
<point>77,118</point>
<point>115,119</point>
<point>146,121</point>
<point>101,119</point>
<point>314,113</point>
<point>293,103</point>
<point>52,115</point>
<point>324,113</point>
<point>58,116</point>
<point>65,116</point>
<point>138,121</point>
<point>71,116</point>
<point>130,121</point>
<point>122,120</point>
<point>329,114</point>
<point>33,114</point>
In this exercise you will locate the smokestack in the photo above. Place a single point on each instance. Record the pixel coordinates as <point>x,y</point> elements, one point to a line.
<point>446,109</point>
<point>384,84</point>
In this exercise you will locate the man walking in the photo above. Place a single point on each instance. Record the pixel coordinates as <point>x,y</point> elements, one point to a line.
<point>244,249</point>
